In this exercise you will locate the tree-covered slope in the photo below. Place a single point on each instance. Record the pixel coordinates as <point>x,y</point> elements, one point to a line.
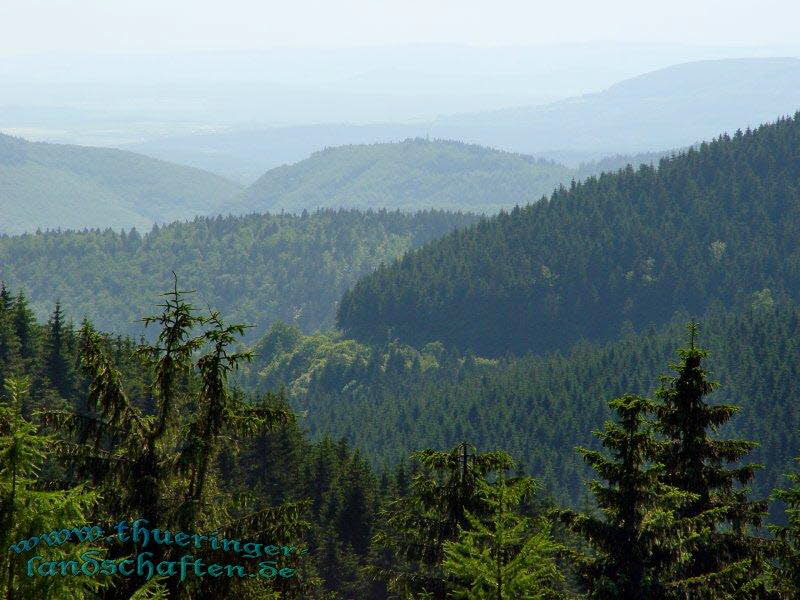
<point>713,223</point>
<point>392,398</point>
<point>410,175</point>
<point>256,268</point>
<point>59,186</point>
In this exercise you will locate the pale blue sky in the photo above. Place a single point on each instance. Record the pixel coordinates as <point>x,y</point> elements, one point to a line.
<point>133,26</point>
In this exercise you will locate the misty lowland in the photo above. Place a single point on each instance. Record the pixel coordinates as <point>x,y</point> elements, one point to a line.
<point>359,302</point>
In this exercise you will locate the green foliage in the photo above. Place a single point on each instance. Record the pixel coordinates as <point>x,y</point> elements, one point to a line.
<point>220,457</point>
<point>28,508</point>
<point>58,365</point>
<point>506,558</point>
<point>640,538</point>
<point>787,575</point>
<point>722,557</point>
<point>255,269</point>
<point>677,522</point>
<point>163,464</point>
<point>152,590</point>
<point>447,487</point>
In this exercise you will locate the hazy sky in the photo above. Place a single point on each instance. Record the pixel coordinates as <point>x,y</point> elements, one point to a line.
<point>132,26</point>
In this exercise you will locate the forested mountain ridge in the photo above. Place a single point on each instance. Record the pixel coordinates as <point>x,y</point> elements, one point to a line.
<point>49,186</point>
<point>258,268</point>
<point>715,223</point>
<point>409,175</point>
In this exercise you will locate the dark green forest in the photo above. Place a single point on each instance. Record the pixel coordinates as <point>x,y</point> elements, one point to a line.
<point>715,223</point>
<point>287,267</point>
<point>391,399</point>
<point>87,436</point>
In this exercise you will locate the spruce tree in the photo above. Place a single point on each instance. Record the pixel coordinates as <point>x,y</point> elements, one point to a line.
<point>26,330</point>
<point>57,360</point>
<point>414,528</point>
<point>506,556</point>
<point>27,509</point>
<point>10,359</point>
<point>725,558</point>
<point>637,541</point>
<point>6,299</point>
<point>164,466</point>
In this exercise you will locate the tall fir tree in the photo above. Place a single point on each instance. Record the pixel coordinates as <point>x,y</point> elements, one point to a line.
<point>10,358</point>
<point>26,330</point>
<point>164,466</point>
<point>58,363</point>
<point>414,528</point>
<point>505,556</point>
<point>726,559</point>
<point>6,299</point>
<point>638,541</point>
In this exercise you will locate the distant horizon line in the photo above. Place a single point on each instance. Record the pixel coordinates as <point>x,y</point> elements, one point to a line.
<point>410,44</point>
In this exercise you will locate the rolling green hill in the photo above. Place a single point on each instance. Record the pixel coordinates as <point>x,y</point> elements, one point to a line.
<point>48,186</point>
<point>716,223</point>
<point>255,269</point>
<point>410,175</point>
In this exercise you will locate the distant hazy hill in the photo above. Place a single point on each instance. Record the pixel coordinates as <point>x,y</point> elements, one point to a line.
<point>668,108</point>
<point>52,185</point>
<point>408,175</point>
<point>245,155</point>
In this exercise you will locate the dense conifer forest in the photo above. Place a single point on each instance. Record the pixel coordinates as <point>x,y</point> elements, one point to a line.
<point>157,430</point>
<point>391,399</point>
<point>716,223</point>
<point>288,267</point>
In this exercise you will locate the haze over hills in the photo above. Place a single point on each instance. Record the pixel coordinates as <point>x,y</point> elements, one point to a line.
<point>50,186</point>
<point>114,99</point>
<point>714,224</point>
<point>245,155</point>
<point>669,108</point>
<point>438,304</point>
<point>416,174</point>
<point>409,175</point>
